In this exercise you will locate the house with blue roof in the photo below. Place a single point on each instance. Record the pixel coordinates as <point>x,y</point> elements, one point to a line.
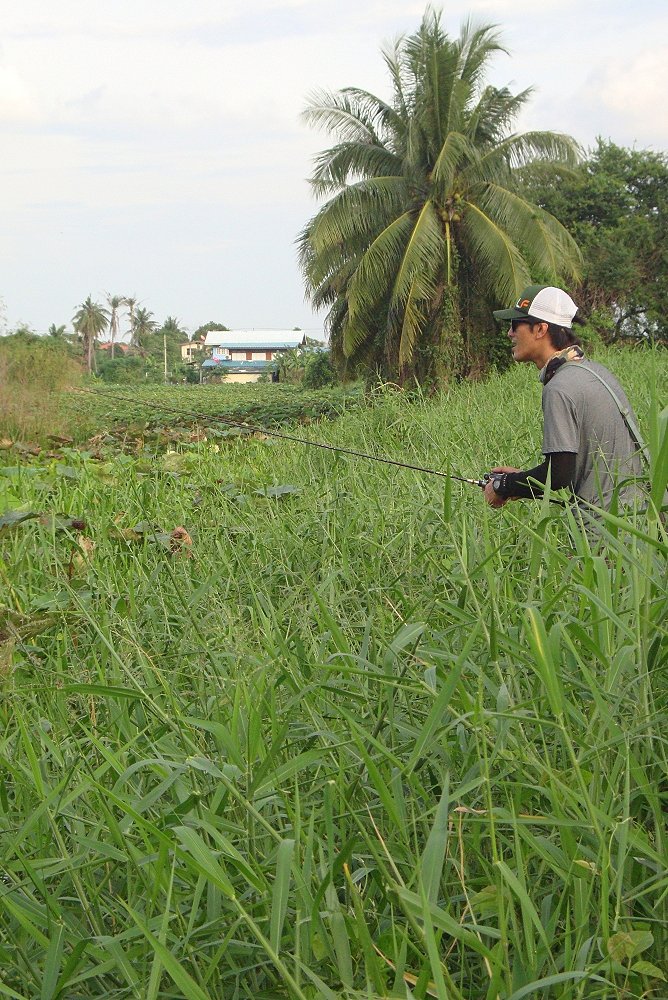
<point>243,355</point>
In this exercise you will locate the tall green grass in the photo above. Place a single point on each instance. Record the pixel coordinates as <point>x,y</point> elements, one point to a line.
<point>365,738</point>
<point>34,371</point>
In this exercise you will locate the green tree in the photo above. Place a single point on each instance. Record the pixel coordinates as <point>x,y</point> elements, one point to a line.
<point>144,325</point>
<point>57,332</point>
<point>130,369</point>
<point>202,331</point>
<point>173,328</point>
<point>615,204</point>
<point>170,335</point>
<point>114,302</point>
<point>318,370</point>
<point>89,321</point>
<point>426,226</point>
<point>130,301</point>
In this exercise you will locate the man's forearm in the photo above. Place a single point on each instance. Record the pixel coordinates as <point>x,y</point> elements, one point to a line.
<point>526,485</point>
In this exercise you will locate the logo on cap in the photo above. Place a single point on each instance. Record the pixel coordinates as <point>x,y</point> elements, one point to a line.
<point>522,304</point>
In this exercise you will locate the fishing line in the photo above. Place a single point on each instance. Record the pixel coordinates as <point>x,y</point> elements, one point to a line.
<point>255,428</point>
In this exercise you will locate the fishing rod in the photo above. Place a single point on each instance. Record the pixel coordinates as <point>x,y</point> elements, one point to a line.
<point>481,481</point>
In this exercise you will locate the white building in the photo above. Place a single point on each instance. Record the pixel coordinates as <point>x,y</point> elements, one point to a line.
<point>244,354</point>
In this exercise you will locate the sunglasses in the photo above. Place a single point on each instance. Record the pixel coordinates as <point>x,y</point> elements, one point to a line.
<point>514,323</point>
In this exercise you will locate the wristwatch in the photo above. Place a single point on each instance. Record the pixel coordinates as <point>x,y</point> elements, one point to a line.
<point>499,484</point>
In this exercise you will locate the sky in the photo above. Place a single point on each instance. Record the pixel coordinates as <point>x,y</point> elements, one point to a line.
<point>156,149</point>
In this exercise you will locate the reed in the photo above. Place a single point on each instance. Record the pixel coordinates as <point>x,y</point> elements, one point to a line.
<point>363,738</point>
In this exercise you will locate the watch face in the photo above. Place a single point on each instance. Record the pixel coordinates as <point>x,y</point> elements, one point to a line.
<point>496,482</point>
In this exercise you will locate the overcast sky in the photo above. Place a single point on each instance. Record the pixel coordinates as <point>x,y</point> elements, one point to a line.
<point>156,149</point>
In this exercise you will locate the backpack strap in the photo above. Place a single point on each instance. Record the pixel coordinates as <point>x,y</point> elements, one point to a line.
<point>631,425</point>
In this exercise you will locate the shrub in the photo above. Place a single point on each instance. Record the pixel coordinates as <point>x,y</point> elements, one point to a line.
<point>33,372</point>
<point>319,371</point>
<point>126,370</point>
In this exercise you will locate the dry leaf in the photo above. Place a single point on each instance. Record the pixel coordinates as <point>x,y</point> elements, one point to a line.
<point>180,542</point>
<point>81,559</point>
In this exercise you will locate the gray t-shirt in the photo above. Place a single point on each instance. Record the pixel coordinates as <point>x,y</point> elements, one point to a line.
<point>580,416</point>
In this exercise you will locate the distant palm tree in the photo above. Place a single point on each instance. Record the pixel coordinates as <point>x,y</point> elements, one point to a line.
<point>130,301</point>
<point>114,302</point>
<point>144,326</point>
<point>89,321</point>
<point>426,226</point>
<point>57,331</point>
<point>172,327</point>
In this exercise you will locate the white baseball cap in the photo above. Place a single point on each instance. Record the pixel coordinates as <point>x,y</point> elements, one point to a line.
<point>542,302</point>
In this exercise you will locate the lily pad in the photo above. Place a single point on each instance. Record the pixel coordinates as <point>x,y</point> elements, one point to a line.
<point>277,491</point>
<point>12,518</point>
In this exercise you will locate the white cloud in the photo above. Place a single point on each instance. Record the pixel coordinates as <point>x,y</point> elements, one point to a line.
<point>158,148</point>
<point>635,92</point>
<point>16,104</point>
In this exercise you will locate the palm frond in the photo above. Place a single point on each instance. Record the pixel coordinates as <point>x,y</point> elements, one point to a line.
<point>374,275</point>
<point>424,255</point>
<point>543,240</point>
<point>337,166</point>
<point>502,270</point>
<point>478,43</point>
<point>353,217</point>
<point>414,320</point>
<point>339,114</point>
<point>392,59</point>
<point>516,151</point>
<point>494,114</point>
<point>355,333</point>
<point>455,152</point>
<point>386,117</point>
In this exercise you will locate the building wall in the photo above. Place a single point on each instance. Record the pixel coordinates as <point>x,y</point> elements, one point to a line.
<point>241,378</point>
<point>189,351</point>
<point>249,355</point>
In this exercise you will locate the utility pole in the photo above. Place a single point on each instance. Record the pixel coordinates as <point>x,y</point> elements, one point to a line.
<point>164,349</point>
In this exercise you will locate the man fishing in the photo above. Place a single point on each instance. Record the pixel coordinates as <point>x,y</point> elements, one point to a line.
<point>590,438</point>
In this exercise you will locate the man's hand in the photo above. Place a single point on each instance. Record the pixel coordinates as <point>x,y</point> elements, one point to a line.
<point>491,496</point>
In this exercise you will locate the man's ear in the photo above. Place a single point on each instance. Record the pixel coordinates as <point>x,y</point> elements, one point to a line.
<point>541,330</point>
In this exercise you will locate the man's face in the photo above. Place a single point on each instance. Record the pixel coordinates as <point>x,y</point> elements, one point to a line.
<point>523,340</point>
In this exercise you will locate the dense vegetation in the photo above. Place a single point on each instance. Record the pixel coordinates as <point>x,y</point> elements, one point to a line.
<point>615,205</point>
<point>33,372</point>
<point>277,723</point>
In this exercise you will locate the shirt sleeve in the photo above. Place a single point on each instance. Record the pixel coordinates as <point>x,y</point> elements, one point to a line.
<point>523,485</point>
<point>561,424</point>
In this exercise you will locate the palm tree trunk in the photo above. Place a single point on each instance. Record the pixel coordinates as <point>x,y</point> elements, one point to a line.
<point>448,355</point>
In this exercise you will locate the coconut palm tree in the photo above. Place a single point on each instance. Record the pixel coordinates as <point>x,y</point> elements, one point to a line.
<point>131,301</point>
<point>114,302</point>
<point>426,226</point>
<point>173,328</point>
<point>89,321</point>
<point>144,325</point>
<point>58,332</point>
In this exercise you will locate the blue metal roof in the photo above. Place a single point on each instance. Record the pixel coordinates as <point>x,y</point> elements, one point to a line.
<point>237,367</point>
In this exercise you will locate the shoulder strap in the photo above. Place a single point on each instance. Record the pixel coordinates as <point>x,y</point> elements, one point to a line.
<point>631,425</point>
